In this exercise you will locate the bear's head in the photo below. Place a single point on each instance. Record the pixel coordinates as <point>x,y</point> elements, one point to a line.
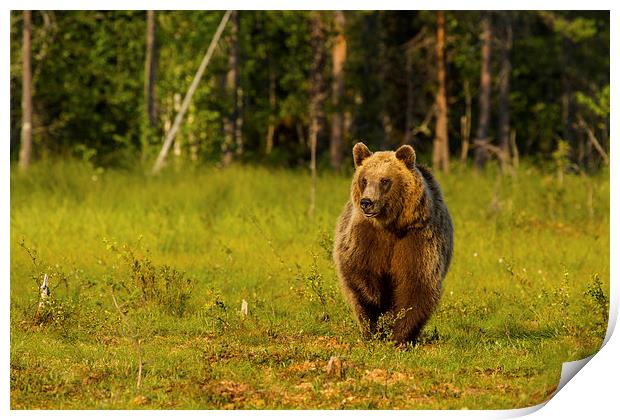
<point>386,186</point>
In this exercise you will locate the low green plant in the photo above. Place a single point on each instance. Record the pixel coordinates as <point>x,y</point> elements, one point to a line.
<point>164,286</point>
<point>215,312</point>
<point>315,289</point>
<point>561,302</point>
<point>561,159</point>
<point>48,308</point>
<point>600,301</point>
<point>326,242</point>
<point>384,329</point>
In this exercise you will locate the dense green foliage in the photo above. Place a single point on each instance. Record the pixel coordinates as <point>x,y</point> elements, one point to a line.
<point>527,290</point>
<point>89,77</point>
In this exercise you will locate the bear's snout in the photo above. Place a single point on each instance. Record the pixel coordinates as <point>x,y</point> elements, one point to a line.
<point>366,204</point>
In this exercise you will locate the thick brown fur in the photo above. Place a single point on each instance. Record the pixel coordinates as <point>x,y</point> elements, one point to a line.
<point>392,257</point>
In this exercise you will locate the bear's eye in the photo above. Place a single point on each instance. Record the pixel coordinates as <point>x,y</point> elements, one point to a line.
<point>385,182</point>
<point>363,183</point>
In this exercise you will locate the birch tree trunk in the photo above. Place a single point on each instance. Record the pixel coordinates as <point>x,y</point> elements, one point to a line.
<point>339,55</point>
<point>149,69</point>
<point>25,151</point>
<point>231,88</point>
<point>317,97</point>
<point>178,140</point>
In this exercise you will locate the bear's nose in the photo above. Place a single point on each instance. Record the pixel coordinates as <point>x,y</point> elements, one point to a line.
<point>366,203</point>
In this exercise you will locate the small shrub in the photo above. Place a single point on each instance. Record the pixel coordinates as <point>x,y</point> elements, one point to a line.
<point>314,284</point>
<point>384,330</point>
<point>600,301</point>
<point>561,159</point>
<point>163,286</point>
<point>315,289</point>
<point>561,296</point>
<point>56,311</point>
<point>429,337</point>
<point>326,242</point>
<point>215,311</point>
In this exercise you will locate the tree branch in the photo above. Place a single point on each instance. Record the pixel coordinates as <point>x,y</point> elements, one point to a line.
<point>159,163</point>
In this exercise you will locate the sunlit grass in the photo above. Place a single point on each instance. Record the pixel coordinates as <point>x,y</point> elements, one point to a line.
<point>519,299</point>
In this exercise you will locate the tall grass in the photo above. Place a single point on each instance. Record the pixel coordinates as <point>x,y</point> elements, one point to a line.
<point>527,290</point>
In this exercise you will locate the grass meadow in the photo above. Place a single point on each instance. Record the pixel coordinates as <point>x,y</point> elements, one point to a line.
<point>148,275</point>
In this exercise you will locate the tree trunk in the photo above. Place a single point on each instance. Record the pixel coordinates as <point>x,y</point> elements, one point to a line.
<point>440,145</point>
<point>514,151</point>
<point>149,70</point>
<point>409,109</point>
<point>568,111</point>
<point>482,133</point>
<point>271,128</point>
<point>466,123</point>
<point>317,97</point>
<point>504,86</point>
<point>232,89</point>
<point>191,136</point>
<point>386,119</point>
<point>178,140</point>
<point>26,135</point>
<point>239,122</point>
<point>168,113</point>
<point>339,55</point>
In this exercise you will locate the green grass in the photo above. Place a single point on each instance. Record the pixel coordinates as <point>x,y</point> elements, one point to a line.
<point>521,296</point>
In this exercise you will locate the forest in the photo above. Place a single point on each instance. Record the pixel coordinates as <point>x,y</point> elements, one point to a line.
<point>176,177</point>
<point>285,86</point>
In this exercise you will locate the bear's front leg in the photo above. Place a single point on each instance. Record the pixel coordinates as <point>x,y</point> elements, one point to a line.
<point>413,305</point>
<point>365,305</point>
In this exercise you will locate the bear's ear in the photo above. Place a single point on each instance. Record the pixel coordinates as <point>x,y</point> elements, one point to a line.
<point>407,155</point>
<point>360,152</point>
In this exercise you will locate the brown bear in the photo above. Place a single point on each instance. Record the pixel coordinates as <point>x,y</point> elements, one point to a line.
<point>393,242</point>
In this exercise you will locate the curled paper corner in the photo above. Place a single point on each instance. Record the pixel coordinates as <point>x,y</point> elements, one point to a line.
<point>569,370</point>
<point>613,316</point>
